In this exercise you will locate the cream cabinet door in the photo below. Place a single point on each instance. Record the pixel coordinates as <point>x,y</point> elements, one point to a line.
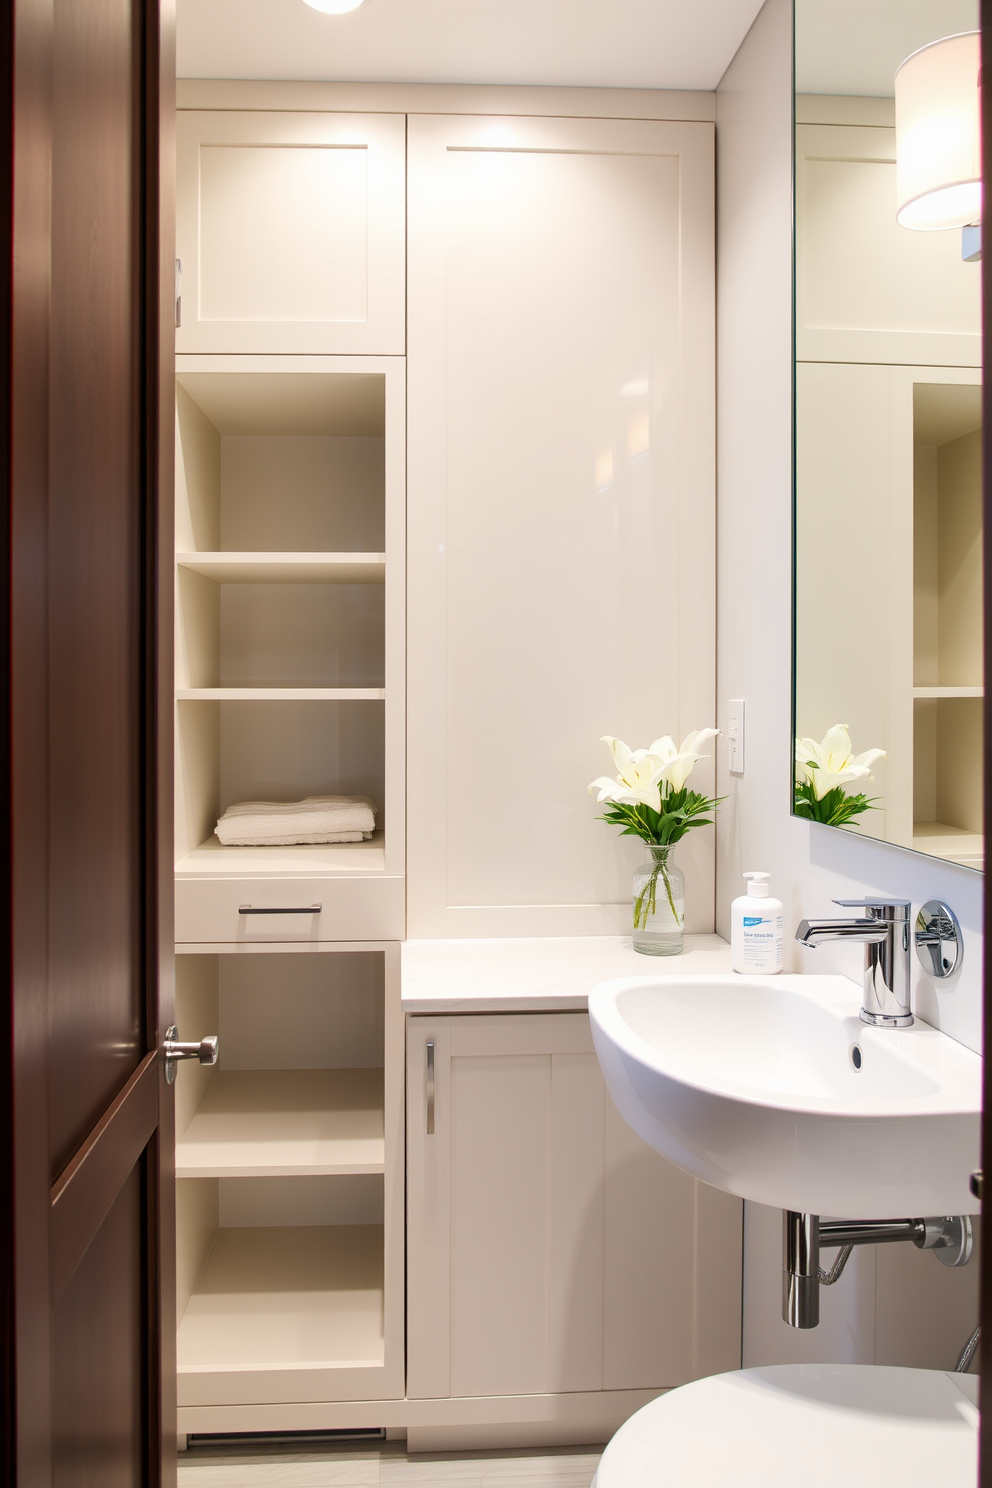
<point>561,557</point>
<point>549,1250</point>
<point>868,290</point>
<point>290,231</point>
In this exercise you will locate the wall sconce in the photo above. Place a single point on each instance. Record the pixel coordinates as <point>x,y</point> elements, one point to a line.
<point>334,7</point>
<point>938,135</point>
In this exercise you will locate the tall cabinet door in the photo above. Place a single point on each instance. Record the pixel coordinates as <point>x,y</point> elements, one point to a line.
<point>290,232</point>
<point>548,1249</point>
<point>561,527</point>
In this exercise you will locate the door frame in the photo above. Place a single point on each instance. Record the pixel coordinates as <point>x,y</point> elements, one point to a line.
<point>985,1472</point>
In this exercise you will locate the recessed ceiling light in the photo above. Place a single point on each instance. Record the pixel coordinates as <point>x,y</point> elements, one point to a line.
<point>334,7</point>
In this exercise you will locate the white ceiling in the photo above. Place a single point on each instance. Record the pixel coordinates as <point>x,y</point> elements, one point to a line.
<point>589,43</point>
<point>855,46</point>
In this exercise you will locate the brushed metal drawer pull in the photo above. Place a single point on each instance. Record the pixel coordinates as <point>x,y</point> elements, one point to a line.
<point>279,909</point>
<point>430,1087</point>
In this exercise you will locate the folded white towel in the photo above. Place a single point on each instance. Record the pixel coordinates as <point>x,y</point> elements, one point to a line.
<point>282,823</point>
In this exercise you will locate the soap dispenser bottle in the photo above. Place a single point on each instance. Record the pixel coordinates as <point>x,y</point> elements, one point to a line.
<point>756,928</point>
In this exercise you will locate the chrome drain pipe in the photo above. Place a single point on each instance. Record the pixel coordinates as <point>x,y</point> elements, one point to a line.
<point>948,1236</point>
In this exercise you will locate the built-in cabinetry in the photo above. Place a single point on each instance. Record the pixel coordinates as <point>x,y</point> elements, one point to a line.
<point>290,1178</point>
<point>888,594</point>
<point>290,682</point>
<point>289,644</point>
<point>559,444</point>
<point>948,671</point>
<point>550,1252</point>
<point>888,472</point>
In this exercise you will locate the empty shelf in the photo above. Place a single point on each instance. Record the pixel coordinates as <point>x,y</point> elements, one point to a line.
<point>949,692</point>
<point>304,858</point>
<point>277,1123</point>
<point>287,568</point>
<point>306,1297</point>
<point>955,844</point>
<point>280,694</point>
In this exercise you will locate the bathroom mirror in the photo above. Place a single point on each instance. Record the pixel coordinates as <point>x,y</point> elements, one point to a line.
<point>888,579</point>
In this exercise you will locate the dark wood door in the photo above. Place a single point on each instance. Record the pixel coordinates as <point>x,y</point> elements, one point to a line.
<point>88,1228</point>
<point>985,1470</point>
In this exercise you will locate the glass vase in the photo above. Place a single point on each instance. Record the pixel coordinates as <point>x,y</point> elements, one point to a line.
<point>659,903</point>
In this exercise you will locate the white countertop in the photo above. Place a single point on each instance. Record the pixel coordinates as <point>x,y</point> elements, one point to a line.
<point>535,975</point>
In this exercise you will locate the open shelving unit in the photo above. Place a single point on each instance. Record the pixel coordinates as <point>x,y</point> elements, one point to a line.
<point>947,621</point>
<point>289,620</point>
<point>290,1179</point>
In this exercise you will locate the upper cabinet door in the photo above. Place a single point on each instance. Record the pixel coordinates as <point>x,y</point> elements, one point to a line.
<point>290,230</point>
<point>868,290</point>
<point>561,561</point>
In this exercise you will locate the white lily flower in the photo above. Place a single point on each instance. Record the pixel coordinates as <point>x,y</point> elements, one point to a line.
<point>638,774</point>
<point>677,764</point>
<point>830,763</point>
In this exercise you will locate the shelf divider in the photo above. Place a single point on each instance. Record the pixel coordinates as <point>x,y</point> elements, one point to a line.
<point>280,694</point>
<point>287,568</point>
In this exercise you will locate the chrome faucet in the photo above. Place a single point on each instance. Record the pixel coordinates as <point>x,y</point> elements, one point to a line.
<point>884,930</point>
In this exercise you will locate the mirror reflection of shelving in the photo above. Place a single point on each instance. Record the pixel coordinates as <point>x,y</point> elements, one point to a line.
<point>947,622</point>
<point>289,1186</point>
<point>288,617</point>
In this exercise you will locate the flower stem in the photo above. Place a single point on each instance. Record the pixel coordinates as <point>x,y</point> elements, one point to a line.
<point>668,890</point>
<point>646,903</point>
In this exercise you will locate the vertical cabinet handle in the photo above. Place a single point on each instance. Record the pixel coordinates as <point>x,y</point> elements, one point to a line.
<point>430,1087</point>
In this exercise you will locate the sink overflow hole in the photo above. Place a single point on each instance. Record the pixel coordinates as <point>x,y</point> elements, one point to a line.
<point>856,1056</point>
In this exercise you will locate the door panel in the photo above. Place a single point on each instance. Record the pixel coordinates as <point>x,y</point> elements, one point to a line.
<point>100,1369</point>
<point>500,1114</point>
<point>561,437</point>
<point>291,232</point>
<point>866,289</point>
<point>94,635</point>
<point>89,1337</point>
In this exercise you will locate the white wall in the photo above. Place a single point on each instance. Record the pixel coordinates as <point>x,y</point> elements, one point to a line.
<point>810,865</point>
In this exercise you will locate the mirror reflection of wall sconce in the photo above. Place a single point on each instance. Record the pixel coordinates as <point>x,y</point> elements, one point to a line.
<point>938,140</point>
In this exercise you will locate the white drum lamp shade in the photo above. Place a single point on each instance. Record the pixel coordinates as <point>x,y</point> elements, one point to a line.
<point>938,143</point>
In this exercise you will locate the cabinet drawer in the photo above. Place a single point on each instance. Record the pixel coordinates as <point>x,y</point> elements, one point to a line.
<point>209,909</point>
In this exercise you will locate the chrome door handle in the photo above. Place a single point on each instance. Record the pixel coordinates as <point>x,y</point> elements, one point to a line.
<point>205,1051</point>
<point>430,1087</point>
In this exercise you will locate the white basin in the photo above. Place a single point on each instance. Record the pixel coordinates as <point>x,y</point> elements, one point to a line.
<point>749,1083</point>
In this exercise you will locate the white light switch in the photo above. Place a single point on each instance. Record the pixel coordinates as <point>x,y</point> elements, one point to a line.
<point>735,735</point>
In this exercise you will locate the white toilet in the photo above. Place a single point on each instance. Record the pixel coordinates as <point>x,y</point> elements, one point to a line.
<point>818,1425</point>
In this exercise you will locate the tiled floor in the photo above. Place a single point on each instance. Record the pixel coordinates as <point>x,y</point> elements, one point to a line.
<point>384,1466</point>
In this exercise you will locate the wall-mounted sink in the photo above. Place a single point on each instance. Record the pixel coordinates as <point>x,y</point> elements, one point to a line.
<point>772,1088</point>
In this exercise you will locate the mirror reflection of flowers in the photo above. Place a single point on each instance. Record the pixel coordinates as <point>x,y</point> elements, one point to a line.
<point>649,799</point>
<point>824,772</point>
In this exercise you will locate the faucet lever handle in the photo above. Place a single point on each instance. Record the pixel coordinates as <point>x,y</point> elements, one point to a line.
<point>894,909</point>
